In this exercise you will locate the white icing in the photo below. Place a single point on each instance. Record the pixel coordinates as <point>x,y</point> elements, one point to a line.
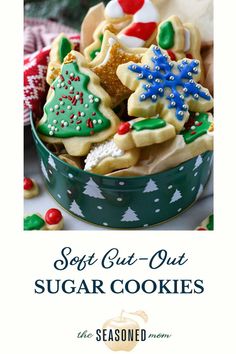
<point>187,43</point>
<point>114,10</point>
<point>148,13</point>
<point>111,41</point>
<point>131,42</point>
<point>100,151</point>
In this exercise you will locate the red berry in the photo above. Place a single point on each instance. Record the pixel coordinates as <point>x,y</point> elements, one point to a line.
<point>53,216</point>
<point>124,128</point>
<point>28,184</point>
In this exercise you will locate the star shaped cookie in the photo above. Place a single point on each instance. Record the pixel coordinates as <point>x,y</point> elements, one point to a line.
<point>105,65</point>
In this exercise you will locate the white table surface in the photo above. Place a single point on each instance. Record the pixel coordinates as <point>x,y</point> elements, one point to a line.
<point>188,220</point>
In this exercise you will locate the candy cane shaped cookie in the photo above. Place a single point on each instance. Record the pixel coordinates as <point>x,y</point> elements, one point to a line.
<point>144,14</point>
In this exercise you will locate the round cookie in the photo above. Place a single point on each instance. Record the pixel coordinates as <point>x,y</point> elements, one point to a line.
<point>31,188</point>
<point>54,220</point>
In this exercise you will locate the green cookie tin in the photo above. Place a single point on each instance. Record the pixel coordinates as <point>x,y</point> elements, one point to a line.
<point>123,202</point>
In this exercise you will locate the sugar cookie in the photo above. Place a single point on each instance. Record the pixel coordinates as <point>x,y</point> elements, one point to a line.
<point>52,221</point>
<point>77,111</point>
<point>142,132</point>
<point>95,47</point>
<point>60,47</point>
<point>91,22</point>
<point>106,157</point>
<point>180,40</point>
<point>112,54</point>
<point>31,188</point>
<point>143,27</point>
<point>164,87</point>
<point>161,157</point>
<point>207,224</point>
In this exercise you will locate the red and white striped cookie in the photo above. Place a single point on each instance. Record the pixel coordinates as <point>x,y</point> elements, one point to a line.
<point>144,15</point>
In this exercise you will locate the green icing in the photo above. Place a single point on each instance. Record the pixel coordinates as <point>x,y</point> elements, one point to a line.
<point>64,48</point>
<point>149,124</point>
<point>94,52</point>
<point>196,127</point>
<point>166,35</point>
<point>210,225</point>
<point>33,222</point>
<point>73,110</point>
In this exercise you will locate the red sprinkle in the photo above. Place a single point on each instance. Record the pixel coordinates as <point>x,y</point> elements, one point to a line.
<point>92,132</point>
<point>94,114</point>
<point>62,111</point>
<point>64,96</point>
<point>189,56</point>
<point>62,78</point>
<point>89,123</point>
<point>66,72</point>
<point>57,113</point>
<point>66,87</point>
<point>71,116</point>
<point>193,133</point>
<point>198,124</point>
<point>81,100</point>
<point>171,55</point>
<point>69,82</point>
<point>69,98</point>
<point>124,128</point>
<point>79,121</point>
<point>60,99</point>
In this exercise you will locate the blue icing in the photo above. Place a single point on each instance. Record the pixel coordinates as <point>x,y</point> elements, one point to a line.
<point>162,76</point>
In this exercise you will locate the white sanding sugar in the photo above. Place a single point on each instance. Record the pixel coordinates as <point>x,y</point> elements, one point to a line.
<point>100,151</point>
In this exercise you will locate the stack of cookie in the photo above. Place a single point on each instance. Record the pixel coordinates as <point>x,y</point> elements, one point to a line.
<point>136,83</point>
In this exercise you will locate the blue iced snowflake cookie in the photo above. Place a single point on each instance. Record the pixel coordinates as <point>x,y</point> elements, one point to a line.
<point>163,87</point>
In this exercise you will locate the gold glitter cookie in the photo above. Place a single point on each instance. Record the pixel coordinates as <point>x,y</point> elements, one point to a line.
<point>105,65</point>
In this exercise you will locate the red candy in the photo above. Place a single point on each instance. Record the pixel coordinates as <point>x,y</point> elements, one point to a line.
<point>53,216</point>
<point>201,229</point>
<point>124,128</point>
<point>28,184</point>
